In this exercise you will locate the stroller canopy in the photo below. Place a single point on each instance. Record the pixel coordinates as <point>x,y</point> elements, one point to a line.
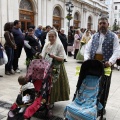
<point>38,69</point>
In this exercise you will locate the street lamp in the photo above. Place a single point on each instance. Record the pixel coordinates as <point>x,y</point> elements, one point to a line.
<point>69,8</point>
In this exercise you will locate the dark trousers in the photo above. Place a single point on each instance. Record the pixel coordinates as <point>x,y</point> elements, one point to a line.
<point>69,53</point>
<point>10,55</point>
<point>75,53</point>
<point>65,48</point>
<point>17,53</point>
<point>28,52</point>
<point>106,87</point>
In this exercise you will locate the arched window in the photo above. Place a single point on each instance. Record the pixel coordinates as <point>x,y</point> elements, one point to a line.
<point>76,20</point>
<point>56,12</point>
<point>89,22</point>
<point>57,18</point>
<point>26,14</point>
<point>76,16</point>
<point>26,5</point>
<point>89,19</point>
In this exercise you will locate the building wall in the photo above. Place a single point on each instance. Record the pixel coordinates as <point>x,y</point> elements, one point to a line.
<point>111,12</point>
<point>43,12</point>
<point>117,11</point>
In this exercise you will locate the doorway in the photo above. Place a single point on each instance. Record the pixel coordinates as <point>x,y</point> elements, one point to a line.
<point>26,14</point>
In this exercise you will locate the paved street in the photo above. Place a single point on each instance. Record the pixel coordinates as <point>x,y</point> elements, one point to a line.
<point>9,89</point>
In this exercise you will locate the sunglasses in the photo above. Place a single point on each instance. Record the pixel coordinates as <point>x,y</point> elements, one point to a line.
<point>102,23</point>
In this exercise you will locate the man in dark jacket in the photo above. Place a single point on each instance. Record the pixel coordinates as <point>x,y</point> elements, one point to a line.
<point>38,31</point>
<point>19,40</point>
<point>43,35</point>
<point>63,39</point>
<point>71,34</point>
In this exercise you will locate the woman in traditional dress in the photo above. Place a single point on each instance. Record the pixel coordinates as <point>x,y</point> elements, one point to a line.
<point>53,51</point>
<point>77,38</point>
<point>86,37</point>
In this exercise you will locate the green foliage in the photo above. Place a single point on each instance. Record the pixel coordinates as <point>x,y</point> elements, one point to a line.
<point>69,17</point>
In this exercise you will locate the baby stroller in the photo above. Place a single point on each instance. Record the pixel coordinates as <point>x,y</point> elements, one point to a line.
<point>42,83</point>
<point>118,64</point>
<point>90,87</point>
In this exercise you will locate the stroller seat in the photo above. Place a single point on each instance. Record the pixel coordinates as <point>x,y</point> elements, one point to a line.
<point>84,107</point>
<point>86,98</point>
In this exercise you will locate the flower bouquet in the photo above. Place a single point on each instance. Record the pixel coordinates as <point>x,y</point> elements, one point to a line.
<point>83,42</point>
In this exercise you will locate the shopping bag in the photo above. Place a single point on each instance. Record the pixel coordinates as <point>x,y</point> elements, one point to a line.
<point>69,48</point>
<point>82,50</point>
<point>5,58</point>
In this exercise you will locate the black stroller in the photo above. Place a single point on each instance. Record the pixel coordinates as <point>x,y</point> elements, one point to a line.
<point>90,87</point>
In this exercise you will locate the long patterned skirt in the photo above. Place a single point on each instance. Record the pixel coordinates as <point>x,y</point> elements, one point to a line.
<point>60,90</point>
<point>79,56</point>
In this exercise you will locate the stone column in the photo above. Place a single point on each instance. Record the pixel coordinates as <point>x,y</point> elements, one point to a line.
<point>10,10</point>
<point>49,12</point>
<point>15,10</point>
<point>44,9</point>
<point>3,17</point>
<point>65,20</point>
<point>85,19</point>
<point>39,12</point>
<point>82,17</point>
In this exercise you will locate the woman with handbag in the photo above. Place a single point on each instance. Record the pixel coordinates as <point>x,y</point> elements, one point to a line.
<point>85,38</point>
<point>77,38</point>
<point>9,47</point>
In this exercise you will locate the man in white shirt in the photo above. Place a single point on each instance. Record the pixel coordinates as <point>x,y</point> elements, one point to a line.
<point>103,46</point>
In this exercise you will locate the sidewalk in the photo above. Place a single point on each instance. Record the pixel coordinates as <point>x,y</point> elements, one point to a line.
<point>9,88</point>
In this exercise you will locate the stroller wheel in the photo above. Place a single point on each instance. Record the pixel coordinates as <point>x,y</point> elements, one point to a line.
<point>99,112</point>
<point>102,118</point>
<point>11,114</point>
<point>50,113</point>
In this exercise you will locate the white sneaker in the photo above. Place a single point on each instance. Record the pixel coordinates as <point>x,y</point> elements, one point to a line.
<point>17,71</point>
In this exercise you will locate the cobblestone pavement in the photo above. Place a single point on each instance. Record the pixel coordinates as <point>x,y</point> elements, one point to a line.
<point>9,89</point>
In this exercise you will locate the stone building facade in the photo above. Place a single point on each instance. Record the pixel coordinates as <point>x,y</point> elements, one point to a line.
<point>51,12</point>
<point>117,11</point>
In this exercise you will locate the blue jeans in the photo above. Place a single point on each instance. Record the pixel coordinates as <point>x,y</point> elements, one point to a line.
<point>10,54</point>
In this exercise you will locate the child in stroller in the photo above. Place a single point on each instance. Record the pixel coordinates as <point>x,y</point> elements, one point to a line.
<point>25,98</point>
<point>90,87</point>
<point>27,93</point>
<point>39,72</point>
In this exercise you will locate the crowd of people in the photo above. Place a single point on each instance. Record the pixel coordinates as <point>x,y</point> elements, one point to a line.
<point>33,41</point>
<point>52,44</point>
